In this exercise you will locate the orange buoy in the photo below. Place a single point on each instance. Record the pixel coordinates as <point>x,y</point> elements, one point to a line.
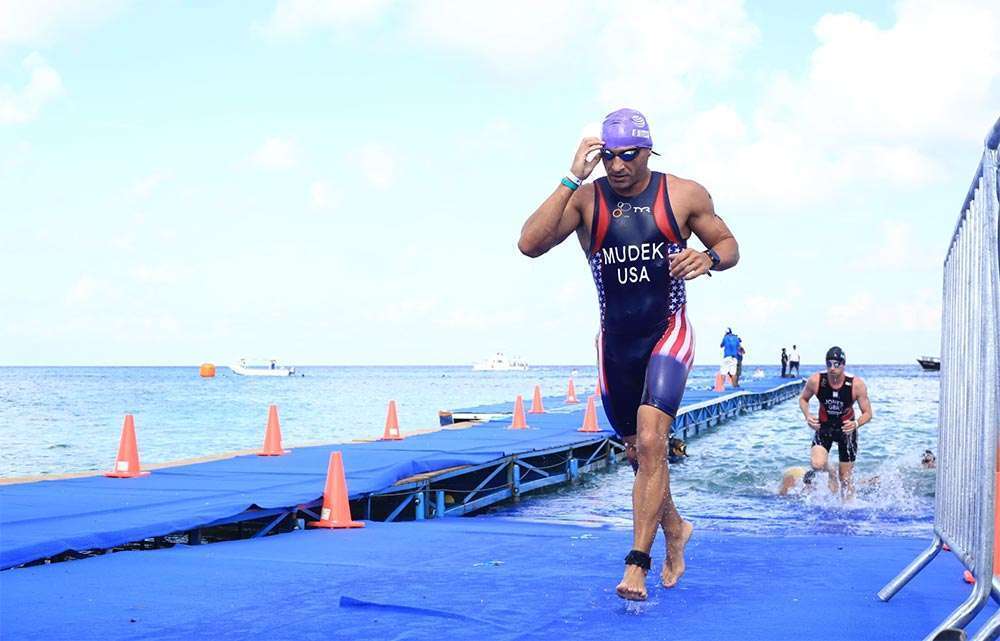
<point>207,370</point>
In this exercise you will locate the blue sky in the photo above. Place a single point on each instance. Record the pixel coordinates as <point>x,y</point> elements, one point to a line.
<point>344,183</point>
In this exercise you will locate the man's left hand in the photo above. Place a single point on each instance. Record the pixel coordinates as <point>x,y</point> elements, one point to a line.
<point>689,264</point>
<point>849,426</point>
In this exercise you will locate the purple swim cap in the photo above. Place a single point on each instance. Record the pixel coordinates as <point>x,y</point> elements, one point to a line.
<point>626,128</point>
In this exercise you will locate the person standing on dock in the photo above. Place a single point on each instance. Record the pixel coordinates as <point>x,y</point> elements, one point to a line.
<point>633,227</point>
<point>837,393</point>
<point>793,361</point>
<point>730,357</point>
<point>784,362</point>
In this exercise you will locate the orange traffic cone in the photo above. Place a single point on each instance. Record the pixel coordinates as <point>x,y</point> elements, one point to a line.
<point>272,435</point>
<point>336,511</point>
<point>391,425</point>
<point>590,417</point>
<point>519,422</point>
<point>571,393</point>
<point>720,384</point>
<point>127,464</point>
<point>536,402</point>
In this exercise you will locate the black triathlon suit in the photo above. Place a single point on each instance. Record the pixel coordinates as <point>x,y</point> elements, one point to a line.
<point>836,406</point>
<point>646,345</point>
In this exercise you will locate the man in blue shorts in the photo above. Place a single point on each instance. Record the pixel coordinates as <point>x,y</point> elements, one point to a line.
<point>633,227</point>
<point>731,357</point>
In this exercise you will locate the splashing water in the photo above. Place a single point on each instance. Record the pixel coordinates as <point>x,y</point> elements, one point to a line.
<point>731,478</point>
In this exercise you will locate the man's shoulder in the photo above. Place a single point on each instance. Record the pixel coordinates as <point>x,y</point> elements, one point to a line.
<point>684,190</point>
<point>678,183</point>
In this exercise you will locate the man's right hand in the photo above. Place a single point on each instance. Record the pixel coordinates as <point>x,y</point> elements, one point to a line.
<point>812,421</point>
<point>581,166</point>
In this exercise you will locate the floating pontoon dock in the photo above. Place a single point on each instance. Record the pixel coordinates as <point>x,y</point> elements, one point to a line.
<point>431,578</point>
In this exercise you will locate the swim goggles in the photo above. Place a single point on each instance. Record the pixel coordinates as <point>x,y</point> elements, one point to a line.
<point>627,155</point>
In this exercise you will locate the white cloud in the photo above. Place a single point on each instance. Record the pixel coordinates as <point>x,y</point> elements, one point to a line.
<point>760,309</point>
<point>920,311</point>
<point>39,21</point>
<point>378,165</point>
<point>88,289</point>
<point>625,44</point>
<point>895,246</point>
<point>144,187</point>
<point>44,85</point>
<point>275,153</point>
<point>569,293</point>
<point>322,196</point>
<point>123,242</point>
<point>921,314</point>
<point>857,308</point>
<point>658,52</point>
<point>500,32</point>
<point>155,325</point>
<point>162,275</point>
<point>404,312</point>
<point>872,111</point>
<point>295,17</point>
<point>929,75</point>
<point>473,319</point>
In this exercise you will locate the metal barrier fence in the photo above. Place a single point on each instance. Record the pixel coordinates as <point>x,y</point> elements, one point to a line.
<point>968,473</point>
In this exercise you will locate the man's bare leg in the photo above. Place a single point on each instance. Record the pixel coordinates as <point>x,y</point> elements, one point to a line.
<point>818,456</point>
<point>671,522</point>
<point>847,481</point>
<point>650,494</point>
<point>676,531</point>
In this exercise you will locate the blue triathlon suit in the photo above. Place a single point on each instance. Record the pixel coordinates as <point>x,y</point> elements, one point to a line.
<point>646,345</point>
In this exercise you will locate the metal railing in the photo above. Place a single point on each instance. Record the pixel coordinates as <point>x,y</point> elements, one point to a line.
<point>968,472</point>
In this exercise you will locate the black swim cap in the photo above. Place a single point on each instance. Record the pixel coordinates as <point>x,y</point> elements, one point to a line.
<point>836,354</point>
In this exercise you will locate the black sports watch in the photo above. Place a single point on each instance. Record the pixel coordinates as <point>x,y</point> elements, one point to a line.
<point>711,253</point>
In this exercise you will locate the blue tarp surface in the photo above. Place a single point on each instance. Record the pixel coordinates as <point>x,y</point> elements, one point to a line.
<point>483,578</point>
<point>42,519</point>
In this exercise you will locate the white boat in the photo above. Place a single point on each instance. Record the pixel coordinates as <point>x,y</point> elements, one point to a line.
<point>270,369</point>
<point>500,363</point>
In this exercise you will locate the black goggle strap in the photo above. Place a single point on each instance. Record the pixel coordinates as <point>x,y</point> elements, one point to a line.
<point>639,558</point>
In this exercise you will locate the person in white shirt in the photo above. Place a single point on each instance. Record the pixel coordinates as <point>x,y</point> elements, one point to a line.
<point>793,361</point>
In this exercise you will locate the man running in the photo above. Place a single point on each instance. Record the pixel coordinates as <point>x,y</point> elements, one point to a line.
<point>837,392</point>
<point>633,227</point>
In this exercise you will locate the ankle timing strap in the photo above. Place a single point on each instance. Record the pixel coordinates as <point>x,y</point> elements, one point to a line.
<point>641,559</point>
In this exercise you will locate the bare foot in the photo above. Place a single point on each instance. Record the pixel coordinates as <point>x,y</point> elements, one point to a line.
<point>673,566</point>
<point>633,585</point>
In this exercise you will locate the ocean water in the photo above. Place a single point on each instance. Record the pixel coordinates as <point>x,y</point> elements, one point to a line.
<point>56,420</point>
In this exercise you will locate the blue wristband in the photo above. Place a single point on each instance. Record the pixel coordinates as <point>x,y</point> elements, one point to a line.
<point>569,184</point>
